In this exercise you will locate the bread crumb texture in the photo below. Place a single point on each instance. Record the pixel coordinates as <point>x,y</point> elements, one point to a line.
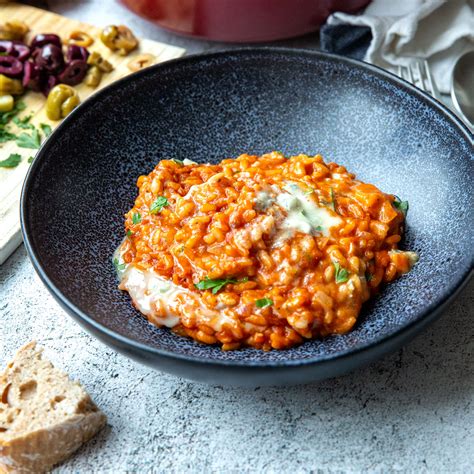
<point>44,416</point>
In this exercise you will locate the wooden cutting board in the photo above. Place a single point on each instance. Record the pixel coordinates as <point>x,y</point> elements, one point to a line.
<point>11,179</point>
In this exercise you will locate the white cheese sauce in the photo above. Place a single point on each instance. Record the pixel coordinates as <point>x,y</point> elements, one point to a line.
<point>162,301</point>
<point>187,162</point>
<point>152,293</point>
<point>263,201</point>
<point>304,215</point>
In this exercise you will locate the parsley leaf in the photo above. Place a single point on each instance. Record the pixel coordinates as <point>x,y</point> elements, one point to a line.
<point>5,117</point>
<point>332,204</point>
<point>400,205</point>
<point>216,284</point>
<point>32,141</point>
<point>263,303</point>
<point>46,129</point>
<point>19,106</point>
<point>6,136</point>
<point>158,204</point>
<point>11,162</point>
<point>23,123</point>
<point>342,275</point>
<point>31,159</point>
<point>119,266</point>
<point>129,233</point>
<point>136,218</point>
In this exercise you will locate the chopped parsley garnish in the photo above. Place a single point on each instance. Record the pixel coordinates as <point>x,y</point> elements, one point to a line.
<point>263,303</point>
<point>31,159</point>
<point>136,218</point>
<point>332,204</point>
<point>119,266</point>
<point>46,129</point>
<point>11,162</point>
<point>5,117</point>
<point>6,136</point>
<point>129,233</point>
<point>369,276</point>
<point>158,204</point>
<point>216,284</point>
<point>401,205</point>
<point>32,141</point>
<point>341,275</point>
<point>23,123</point>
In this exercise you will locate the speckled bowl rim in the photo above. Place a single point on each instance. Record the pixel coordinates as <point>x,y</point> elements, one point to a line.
<point>432,311</point>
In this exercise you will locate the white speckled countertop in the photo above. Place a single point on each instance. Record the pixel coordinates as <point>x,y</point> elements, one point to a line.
<point>413,411</point>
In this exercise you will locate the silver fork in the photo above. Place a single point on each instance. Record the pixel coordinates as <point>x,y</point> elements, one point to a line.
<point>419,74</point>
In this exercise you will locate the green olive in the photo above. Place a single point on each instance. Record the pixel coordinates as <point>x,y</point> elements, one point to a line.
<point>108,36</point>
<point>95,59</point>
<point>62,99</point>
<point>6,103</point>
<point>93,76</point>
<point>119,38</point>
<point>69,105</point>
<point>13,30</point>
<point>10,86</point>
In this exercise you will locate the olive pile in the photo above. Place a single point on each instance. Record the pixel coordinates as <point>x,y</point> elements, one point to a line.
<point>45,63</point>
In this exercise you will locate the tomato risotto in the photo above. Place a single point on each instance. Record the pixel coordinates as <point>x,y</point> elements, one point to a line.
<point>261,251</point>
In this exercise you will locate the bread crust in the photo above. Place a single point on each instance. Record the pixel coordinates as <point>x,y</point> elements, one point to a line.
<point>38,450</point>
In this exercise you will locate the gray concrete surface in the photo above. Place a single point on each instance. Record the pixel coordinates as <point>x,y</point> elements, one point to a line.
<point>410,412</point>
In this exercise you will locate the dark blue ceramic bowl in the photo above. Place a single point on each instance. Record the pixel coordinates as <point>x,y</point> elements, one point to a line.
<point>219,105</point>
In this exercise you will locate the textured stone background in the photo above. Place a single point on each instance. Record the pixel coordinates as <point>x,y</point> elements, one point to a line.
<point>411,412</point>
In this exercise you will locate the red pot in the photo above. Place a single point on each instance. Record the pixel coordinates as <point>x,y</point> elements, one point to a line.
<point>241,20</point>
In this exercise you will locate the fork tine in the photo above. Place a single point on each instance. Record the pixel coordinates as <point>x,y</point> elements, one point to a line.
<point>433,90</point>
<point>410,73</point>
<point>401,73</point>
<point>419,72</point>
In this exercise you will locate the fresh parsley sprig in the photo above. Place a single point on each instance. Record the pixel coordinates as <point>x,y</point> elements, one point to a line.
<point>216,284</point>
<point>400,205</point>
<point>32,141</point>
<point>264,303</point>
<point>6,135</point>
<point>46,129</point>
<point>341,275</point>
<point>23,123</point>
<point>5,117</point>
<point>158,204</point>
<point>136,218</point>
<point>332,204</point>
<point>11,162</point>
<point>119,266</point>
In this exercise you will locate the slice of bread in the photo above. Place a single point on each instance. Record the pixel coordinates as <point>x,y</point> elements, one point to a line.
<point>44,416</point>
